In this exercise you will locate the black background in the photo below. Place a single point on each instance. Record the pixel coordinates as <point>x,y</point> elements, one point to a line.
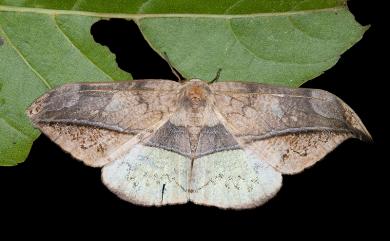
<point>343,192</point>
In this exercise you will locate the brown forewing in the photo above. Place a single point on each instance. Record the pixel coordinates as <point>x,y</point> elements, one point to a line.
<point>289,128</point>
<point>92,120</point>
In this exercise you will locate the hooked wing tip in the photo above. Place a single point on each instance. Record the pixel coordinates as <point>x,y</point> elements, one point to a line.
<point>364,135</point>
<point>359,129</point>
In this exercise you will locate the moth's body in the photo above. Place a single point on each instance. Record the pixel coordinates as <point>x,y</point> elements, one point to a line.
<point>225,144</point>
<point>195,115</point>
<point>193,111</point>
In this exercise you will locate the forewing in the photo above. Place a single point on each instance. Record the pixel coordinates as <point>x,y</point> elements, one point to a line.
<point>289,128</point>
<point>93,120</point>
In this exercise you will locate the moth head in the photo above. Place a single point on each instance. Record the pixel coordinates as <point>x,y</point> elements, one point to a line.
<point>195,93</point>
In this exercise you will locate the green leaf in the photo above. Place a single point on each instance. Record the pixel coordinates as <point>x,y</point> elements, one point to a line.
<point>45,43</point>
<point>41,51</point>
<point>285,49</point>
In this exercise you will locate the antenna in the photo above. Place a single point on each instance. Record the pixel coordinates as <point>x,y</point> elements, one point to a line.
<point>172,69</point>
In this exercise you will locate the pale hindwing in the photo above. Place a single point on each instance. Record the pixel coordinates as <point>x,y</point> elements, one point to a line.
<point>233,179</point>
<point>289,128</point>
<point>149,176</point>
<point>93,120</point>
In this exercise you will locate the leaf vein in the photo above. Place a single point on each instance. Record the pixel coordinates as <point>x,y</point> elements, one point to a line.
<point>295,26</point>
<point>44,81</point>
<point>74,45</point>
<point>265,59</point>
<point>163,15</point>
<point>8,123</point>
<point>232,6</point>
<point>141,8</point>
<point>249,51</point>
<point>76,4</point>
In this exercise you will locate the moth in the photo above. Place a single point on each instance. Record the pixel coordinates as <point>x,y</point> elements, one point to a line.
<point>224,144</point>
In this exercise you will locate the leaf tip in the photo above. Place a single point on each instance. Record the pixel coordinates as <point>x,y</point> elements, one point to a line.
<point>366,27</point>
